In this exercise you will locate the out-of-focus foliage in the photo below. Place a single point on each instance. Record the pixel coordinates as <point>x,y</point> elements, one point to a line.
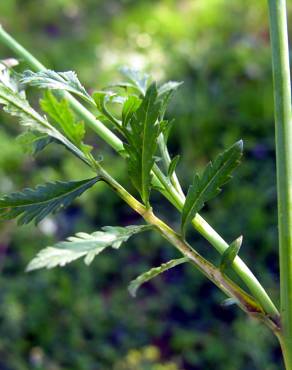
<point>83,318</point>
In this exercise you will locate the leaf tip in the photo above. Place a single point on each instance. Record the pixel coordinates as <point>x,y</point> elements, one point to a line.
<point>30,267</point>
<point>132,290</point>
<point>239,240</point>
<point>239,145</point>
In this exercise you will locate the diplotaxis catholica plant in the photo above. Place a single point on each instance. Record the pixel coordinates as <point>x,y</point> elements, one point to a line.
<point>135,110</point>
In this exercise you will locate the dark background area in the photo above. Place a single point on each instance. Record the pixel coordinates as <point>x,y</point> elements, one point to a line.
<point>82,317</point>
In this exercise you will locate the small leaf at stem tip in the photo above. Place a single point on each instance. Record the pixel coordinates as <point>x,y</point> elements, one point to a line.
<point>230,253</point>
<point>150,274</point>
<point>172,165</point>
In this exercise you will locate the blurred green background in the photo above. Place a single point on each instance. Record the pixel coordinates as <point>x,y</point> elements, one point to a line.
<point>83,318</point>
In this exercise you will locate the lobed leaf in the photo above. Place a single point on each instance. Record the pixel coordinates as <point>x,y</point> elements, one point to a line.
<point>208,185</point>
<point>36,204</point>
<point>16,104</point>
<point>142,130</point>
<point>52,80</point>
<point>84,245</point>
<point>148,275</point>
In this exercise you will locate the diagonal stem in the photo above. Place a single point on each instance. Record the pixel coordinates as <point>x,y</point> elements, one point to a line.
<point>231,289</point>
<point>167,190</point>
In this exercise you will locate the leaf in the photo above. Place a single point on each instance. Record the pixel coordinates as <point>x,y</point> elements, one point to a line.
<point>165,93</point>
<point>142,133</point>
<point>139,80</point>
<point>33,142</point>
<point>52,80</point>
<point>84,245</point>
<point>208,185</point>
<point>166,127</point>
<point>36,204</point>
<point>129,108</point>
<point>230,253</point>
<point>170,86</point>
<point>16,104</point>
<point>101,98</point>
<point>61,113</point>
<point>172,165</point>
<point>148,275</point>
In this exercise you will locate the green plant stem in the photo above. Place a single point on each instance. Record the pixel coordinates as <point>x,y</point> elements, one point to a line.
<point>168,190</point>
<point>231,289</point>
<point>220,245</point>
<point>166,159</point>
<point>283,129</point>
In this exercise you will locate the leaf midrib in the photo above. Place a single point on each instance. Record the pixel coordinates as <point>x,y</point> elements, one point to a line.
<point>51,199</point>
<point>212,179</point>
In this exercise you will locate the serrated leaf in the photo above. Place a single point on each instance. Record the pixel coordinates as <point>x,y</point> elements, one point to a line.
<point>172,165</point>
<point>52,80</point>
<point>35,204</point>
<point>139,80</point>
<point>230,253</point>
<point>84,245</point>
<point>208,185</point>
<point>16,104</point>
<point>146,276</point>
<point>142,132</point>
<point>61,113</point>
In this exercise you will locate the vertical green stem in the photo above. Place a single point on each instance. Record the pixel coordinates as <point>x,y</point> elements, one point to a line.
<point>283,125</point>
